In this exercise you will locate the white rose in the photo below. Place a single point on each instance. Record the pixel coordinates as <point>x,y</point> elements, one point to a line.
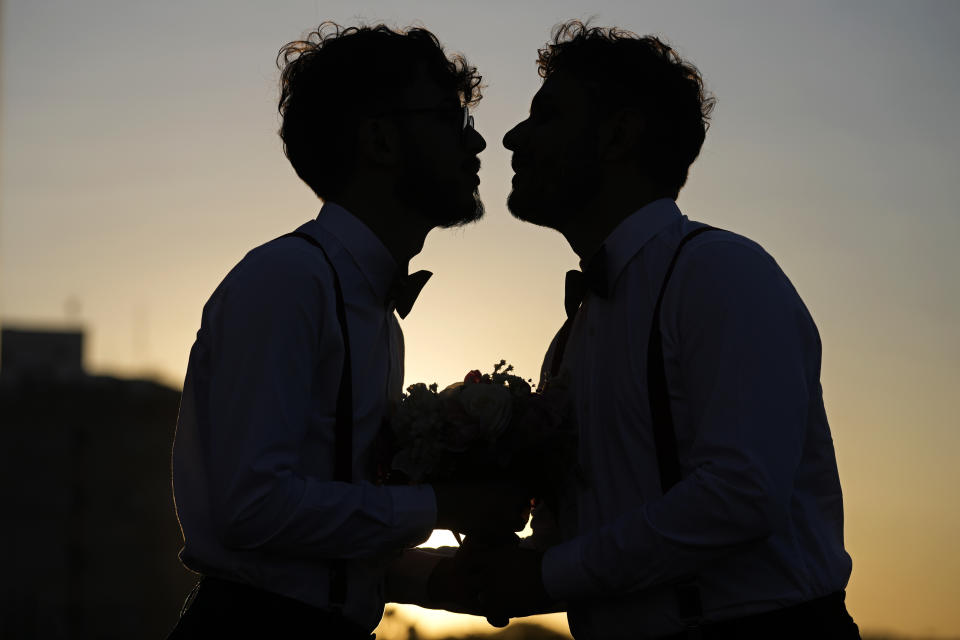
<point>489,405</point>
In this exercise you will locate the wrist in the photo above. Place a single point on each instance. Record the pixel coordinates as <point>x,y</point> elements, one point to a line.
<point>435,581</point>
<point>442,494</point>
<point>537,575</point>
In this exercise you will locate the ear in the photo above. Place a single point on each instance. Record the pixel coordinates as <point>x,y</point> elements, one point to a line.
<point>378,142</point>
<point>621,134</point>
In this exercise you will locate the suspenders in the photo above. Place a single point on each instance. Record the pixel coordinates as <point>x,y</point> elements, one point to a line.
<point>343,433</point>
<point>665,437</point>
<point>664,434</point>
<point>689,603</point>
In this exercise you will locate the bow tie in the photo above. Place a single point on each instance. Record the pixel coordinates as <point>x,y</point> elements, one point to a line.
<point>593,279</point>
<point>405,289</point>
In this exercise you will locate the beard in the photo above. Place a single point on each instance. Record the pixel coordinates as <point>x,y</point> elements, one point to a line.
<point>550,196</point>
<point>444,201</point>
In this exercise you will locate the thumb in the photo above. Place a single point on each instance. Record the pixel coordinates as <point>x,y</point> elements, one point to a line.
<point>498,622</point>
<point>494,619</point>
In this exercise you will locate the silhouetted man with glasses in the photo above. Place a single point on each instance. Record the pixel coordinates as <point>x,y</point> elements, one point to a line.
<point>299,353</point>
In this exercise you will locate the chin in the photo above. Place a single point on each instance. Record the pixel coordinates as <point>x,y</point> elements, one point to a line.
<point>466,210</point>
<point>522,209</point>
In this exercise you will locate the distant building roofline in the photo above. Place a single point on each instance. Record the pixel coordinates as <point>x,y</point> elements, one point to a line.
<point>41,352</point>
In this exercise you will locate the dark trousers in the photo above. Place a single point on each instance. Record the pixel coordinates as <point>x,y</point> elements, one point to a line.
<point>222,609</point>
<point>821,619</point>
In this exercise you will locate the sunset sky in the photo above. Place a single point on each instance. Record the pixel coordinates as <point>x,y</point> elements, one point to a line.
<point>140,162</point>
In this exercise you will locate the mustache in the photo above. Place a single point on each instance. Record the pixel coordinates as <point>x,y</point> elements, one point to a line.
<point>471,165</point>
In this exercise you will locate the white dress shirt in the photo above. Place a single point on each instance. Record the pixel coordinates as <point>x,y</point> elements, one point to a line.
<point>758,515</point>
<point>253,454</point>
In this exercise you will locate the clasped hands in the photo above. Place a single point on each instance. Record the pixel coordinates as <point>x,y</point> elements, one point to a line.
<point>490,575</point>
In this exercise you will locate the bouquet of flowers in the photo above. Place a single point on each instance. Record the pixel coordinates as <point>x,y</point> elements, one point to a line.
<point>492,427</point>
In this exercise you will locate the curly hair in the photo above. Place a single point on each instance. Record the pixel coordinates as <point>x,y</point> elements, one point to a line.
<point>622,69</point>
<point>336,76</point>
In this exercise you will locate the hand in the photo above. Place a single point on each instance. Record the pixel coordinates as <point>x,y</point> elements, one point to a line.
<point>454,582</point>
<point>511,584</point>
<point>481,509</point>
<point>454,585</point>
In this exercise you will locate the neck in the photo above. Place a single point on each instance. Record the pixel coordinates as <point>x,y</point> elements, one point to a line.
<point>401,229</point>
<point>586,230</point>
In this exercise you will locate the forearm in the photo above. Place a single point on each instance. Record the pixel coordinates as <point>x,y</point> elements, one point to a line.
<point>657,543</point>
<point>326,519</point>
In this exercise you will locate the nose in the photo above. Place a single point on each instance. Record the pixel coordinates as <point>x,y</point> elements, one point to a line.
<point>511,139</point>
<point>475,141</point>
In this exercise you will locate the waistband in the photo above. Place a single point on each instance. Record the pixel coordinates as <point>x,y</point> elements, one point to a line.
<point>822,617</point>
<point>221,604</point>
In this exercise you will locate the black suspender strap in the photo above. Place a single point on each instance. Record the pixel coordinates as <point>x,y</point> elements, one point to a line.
<point>664,433</point>
<point>689,604</point>
<point>343,433</point>
<point>343,443</point>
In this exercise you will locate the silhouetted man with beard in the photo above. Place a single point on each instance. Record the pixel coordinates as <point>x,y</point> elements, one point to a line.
<point>707,503</point>
<point>299,353</point>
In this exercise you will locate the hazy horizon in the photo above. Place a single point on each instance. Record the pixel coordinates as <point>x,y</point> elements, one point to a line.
<point>139,162</point>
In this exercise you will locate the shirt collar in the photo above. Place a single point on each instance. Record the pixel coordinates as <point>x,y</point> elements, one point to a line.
<point>635,231</point>
<point>372,258</point>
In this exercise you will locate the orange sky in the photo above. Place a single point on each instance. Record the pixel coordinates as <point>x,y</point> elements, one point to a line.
<point>140,162</point>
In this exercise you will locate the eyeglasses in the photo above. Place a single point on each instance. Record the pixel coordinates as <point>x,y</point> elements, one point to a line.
<point>466,120</point>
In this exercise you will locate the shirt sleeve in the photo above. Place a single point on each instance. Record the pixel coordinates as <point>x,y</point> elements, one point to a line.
<point>747,353</point>
<point>274,321</point>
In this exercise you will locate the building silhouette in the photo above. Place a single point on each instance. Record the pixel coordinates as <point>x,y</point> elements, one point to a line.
<point>89,529</point>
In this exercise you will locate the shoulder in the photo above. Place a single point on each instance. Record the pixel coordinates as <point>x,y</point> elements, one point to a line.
<point>723,270</point>
<point>286,272</point>
<point>717,255</point>
<point>282,263</point>
<point>717,246</point>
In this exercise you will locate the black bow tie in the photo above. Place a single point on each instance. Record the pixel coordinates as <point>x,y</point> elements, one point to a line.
<point>405,289</point>
<point>593,279</point>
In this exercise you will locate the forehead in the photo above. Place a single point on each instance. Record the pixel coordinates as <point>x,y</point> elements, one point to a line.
<point>426,91</point>
<point>561,90</point>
